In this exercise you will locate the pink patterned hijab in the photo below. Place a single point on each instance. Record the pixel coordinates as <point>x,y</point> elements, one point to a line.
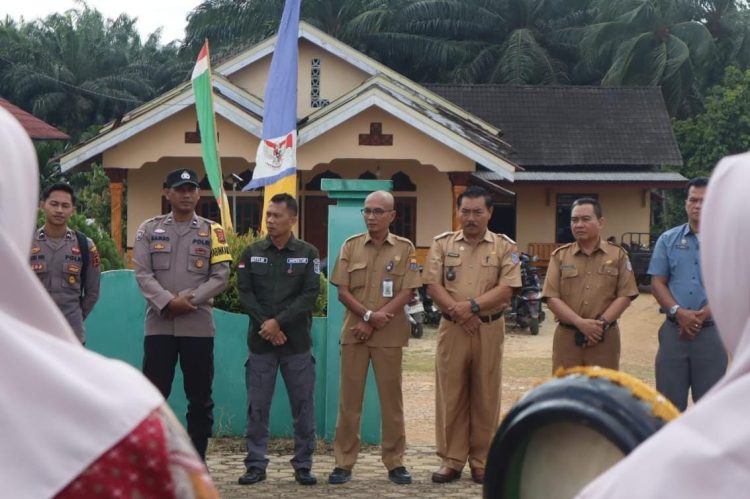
<point>62,406</point>
<point>706,451</point>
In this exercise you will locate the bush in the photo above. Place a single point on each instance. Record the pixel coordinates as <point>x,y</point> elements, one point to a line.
<point>229,299</point>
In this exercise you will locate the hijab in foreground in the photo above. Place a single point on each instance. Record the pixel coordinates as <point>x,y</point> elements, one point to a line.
<point>706,451</point>
<point>61,406</point>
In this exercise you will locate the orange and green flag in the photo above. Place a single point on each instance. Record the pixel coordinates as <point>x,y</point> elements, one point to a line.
<point>204,108</point>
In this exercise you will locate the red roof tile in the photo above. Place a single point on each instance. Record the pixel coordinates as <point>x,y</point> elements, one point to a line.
<point>36,128</point>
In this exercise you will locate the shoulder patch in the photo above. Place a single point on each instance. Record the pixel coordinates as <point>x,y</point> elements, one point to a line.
<point>440,236</point>
<point>511,241</point>
<point>557,250</point>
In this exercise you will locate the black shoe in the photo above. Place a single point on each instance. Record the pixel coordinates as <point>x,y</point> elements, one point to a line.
<point>399,476</point>
<point>339,476</point>
<point>251,476</point>
<point>305,477</point>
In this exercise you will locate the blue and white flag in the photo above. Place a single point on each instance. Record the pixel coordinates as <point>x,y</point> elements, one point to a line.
<point>276,159</point>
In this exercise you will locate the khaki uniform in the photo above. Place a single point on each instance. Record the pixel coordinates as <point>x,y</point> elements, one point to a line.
<point>468,367</point>
<point>172,259</point>
<point>588,284</point>
<point>364,268</point>
<point>59,267</point>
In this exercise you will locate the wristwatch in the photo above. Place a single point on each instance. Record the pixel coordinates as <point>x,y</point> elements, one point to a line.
<point>474,306</point>
<point>367,316</point>
<point>673,310</point>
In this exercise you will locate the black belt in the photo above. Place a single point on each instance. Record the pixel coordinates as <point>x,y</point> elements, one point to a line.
<point>571,326</point>
<point>483,318</point>
<point>708,323</point>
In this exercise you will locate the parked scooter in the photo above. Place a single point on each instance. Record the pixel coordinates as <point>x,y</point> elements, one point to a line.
<point>432,313</point>
<point>526,307</point>
<point>415,313</point>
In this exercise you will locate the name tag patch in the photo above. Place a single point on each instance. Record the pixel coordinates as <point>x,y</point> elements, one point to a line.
<point>258,259</point>
<point>296,260</point>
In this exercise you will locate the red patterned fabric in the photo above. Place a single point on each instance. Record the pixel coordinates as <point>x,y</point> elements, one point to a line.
<point>137,466</point>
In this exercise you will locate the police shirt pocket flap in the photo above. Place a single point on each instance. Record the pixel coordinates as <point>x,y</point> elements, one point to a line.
<point>566,272</point>
<point>161,247</point>
<point>72,268</point>
<point>203,251</point>
<point>39,267</point>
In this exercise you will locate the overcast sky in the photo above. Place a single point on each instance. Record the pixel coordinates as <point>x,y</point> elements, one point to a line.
<point>152,14</point>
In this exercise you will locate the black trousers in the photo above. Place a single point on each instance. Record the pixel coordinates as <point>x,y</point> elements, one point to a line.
<point>160,353</point>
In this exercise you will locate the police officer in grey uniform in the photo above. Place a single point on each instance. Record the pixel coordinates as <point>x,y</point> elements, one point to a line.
<point>181,263</point>
<point>279,280</point>
<point>56,258</point>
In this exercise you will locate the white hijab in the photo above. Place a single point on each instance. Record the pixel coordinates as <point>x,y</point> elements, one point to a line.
<point>706,452</point>
<point>61,406</point>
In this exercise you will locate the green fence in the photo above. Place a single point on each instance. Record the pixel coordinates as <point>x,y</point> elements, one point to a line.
<point>115,329</point>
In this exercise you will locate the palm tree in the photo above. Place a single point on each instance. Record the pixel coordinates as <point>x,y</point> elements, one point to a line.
<point>501,41</point>
<point>232,25</point>
<point>77,70</point>
<point>650,42</point>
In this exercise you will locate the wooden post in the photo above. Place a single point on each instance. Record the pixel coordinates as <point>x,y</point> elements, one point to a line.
<point>116,183</point>
<point>459,181</point>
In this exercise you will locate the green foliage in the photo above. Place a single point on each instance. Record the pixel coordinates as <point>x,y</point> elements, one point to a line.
<point>229,299</point>
<point>722,129</point>
<point>110,258</point>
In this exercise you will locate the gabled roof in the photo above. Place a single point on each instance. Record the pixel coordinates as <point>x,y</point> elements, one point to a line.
<point>314,36</point>
<point>36,128</point>
<point>573,126</point>
<point>436,118</point>
<point>233,103</point>
<point>386,89</point>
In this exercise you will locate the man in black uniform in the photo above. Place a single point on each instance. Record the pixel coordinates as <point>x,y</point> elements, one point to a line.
<point>279,280</point>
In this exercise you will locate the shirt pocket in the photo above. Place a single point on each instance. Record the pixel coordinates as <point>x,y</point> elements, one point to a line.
<point>609,270</point>
<point>161,253</point>
<point>490,269</point>
<point>357,275</point>
<point>259,268</point>
<point>71,276</point>
<point>39,267</point>
<point>198,259</point>
<point>568,280</point>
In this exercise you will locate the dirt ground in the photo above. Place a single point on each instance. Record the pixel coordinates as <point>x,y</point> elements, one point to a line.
<point>527,361</point>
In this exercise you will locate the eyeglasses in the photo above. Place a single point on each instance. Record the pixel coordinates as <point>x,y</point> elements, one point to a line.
<point>378,212</point>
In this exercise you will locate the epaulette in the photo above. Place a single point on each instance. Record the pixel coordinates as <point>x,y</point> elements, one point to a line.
<point>157,218</point>
<point>511,241</point>
<point>561,247</point>
<point>354,237</point>
<point>618,247</point>
<point>440,236</point>
<point>404,239</point>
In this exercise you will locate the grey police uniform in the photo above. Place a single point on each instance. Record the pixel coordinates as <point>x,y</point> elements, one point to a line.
<point>59,267</point>
<point>171,259</point>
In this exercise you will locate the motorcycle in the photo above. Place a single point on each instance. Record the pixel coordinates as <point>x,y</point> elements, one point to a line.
<point>526,306</point>
<point>415,313</point>
<point>432,314</point>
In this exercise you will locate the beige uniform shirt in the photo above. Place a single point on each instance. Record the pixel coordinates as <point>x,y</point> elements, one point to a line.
<point>366,270</point>
<point>59,268</point>
<point>588,284</point>
<point>172,259</point>
<point>467,271</point>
